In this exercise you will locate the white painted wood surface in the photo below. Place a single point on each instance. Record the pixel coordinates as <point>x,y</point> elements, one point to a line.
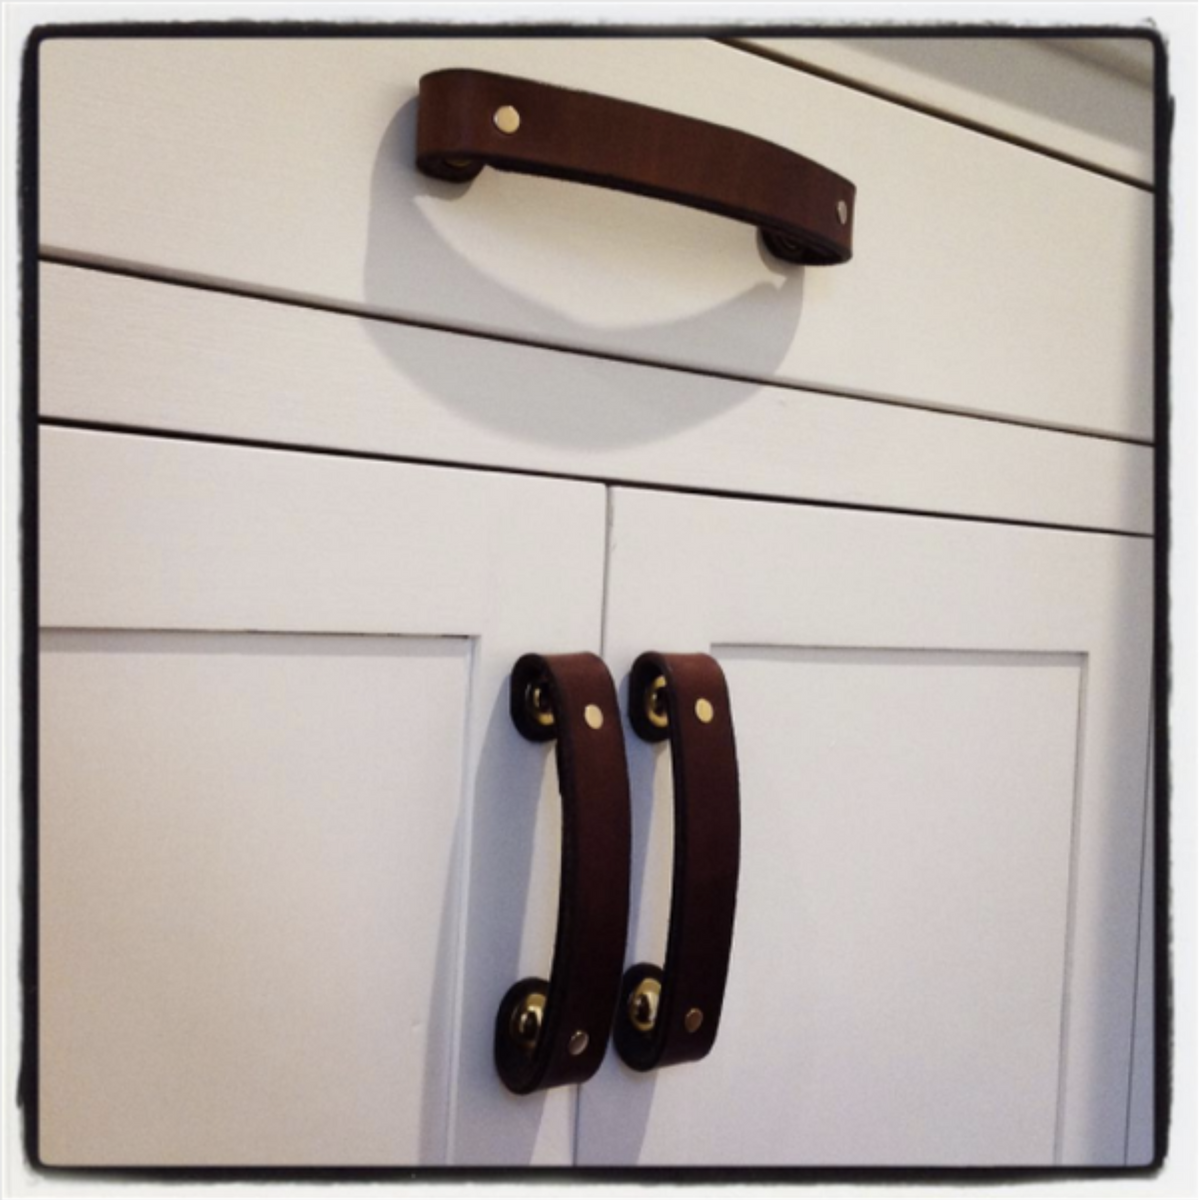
<point>288,870</point>
<point>986,278</point>
<point>246,843</point>
<point>944,740</point>
<point>141,353</point>
<point>1089,99</point>
<point>1140,1137</point>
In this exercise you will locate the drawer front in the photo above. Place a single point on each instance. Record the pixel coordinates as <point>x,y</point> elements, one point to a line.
<point>145,354</point>
<point>986,278</point>
<point>1088,100</point>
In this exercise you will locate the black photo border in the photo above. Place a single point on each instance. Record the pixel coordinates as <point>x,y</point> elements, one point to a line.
<point>28,272</point>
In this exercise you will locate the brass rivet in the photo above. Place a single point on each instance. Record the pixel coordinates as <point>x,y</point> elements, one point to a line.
<point>843,211</point>
<point>704,710</point>
<point>537,702</point>
<point>506,119</point>
<point>526,1024</point>
<point>578,1043</point>
<point>693,1020</point>
<point>656,703</point>
<point>643,1005</point>
<point>593,716</point>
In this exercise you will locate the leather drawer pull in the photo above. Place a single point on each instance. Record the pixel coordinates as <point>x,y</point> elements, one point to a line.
<point>672,1015</point>
<point>471,119</point>
<point>554,1032</point>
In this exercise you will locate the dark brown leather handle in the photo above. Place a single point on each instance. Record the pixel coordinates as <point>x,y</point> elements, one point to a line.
<point>671,1015</point>
<point>553,1032</point>
<point>471,119</point>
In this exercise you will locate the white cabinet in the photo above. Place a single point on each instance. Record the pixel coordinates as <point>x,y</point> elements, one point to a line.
<point>326,446</point>
<point>288,829</point>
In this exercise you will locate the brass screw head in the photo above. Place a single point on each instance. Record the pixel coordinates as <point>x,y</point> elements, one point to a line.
<point>593,716</point>
<point>656,703</point>
<point>537,704</point>
<point>578,1043</point>
<point>704,710</point>
<point>526,1024</point>
<point>642,1005</point>
<point>843,211</point>
<point>506,119</point>
<point>693,1019</point>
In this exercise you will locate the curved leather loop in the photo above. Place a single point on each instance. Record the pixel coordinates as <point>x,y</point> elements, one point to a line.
<point>805,212</point>
<point>677,1021</point>
<point>553,1032</point>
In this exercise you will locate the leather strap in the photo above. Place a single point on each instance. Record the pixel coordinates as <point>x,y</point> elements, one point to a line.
<point>694,713</point>
<point>805,212</point>
<point>570,698</point>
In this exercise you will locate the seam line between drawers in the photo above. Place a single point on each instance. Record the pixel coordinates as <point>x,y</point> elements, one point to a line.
<point>332,307</point>
<point>106,427</point>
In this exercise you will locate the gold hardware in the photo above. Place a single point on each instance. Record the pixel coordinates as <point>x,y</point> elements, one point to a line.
<point>843,211</point>
<point>537,704</point>
<point>643,1005</point>
<point>656,703</point>
<point>458,163</point>
<point>506,119</point>
<point>593,716</point>
<point>704,710</point>
<point>578,1043</point>
<point>526,1025</point>
<point>693,1019</point>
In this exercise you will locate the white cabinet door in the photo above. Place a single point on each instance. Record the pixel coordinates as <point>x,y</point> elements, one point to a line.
<point>942,731</point>
<point>291,851</point>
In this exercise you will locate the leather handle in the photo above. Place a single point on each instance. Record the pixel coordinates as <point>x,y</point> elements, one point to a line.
<point>554,1032</point>
<point>471,119</point>
<point>671,1015</point>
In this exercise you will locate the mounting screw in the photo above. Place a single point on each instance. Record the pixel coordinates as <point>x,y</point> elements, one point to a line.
<point>642,1005</point>
<point>508,120</point>
<point>526,1025</point>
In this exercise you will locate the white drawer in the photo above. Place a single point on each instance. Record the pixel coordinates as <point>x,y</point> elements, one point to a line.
<point>1088,100</point>
<point>986,278</point>
<point>146,354</point>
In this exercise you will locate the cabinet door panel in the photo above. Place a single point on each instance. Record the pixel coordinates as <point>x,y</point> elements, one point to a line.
<point>242,938</point>
<point>942,735</point>
<point>277,910</point>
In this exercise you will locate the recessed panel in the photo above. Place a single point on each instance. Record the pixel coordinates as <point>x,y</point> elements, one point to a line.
<point>896,984</point>
<point>248,896</point>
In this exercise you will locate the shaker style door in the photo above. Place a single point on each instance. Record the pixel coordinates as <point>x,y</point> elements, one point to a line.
<point>291,850</point>
<point>942,737</point>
